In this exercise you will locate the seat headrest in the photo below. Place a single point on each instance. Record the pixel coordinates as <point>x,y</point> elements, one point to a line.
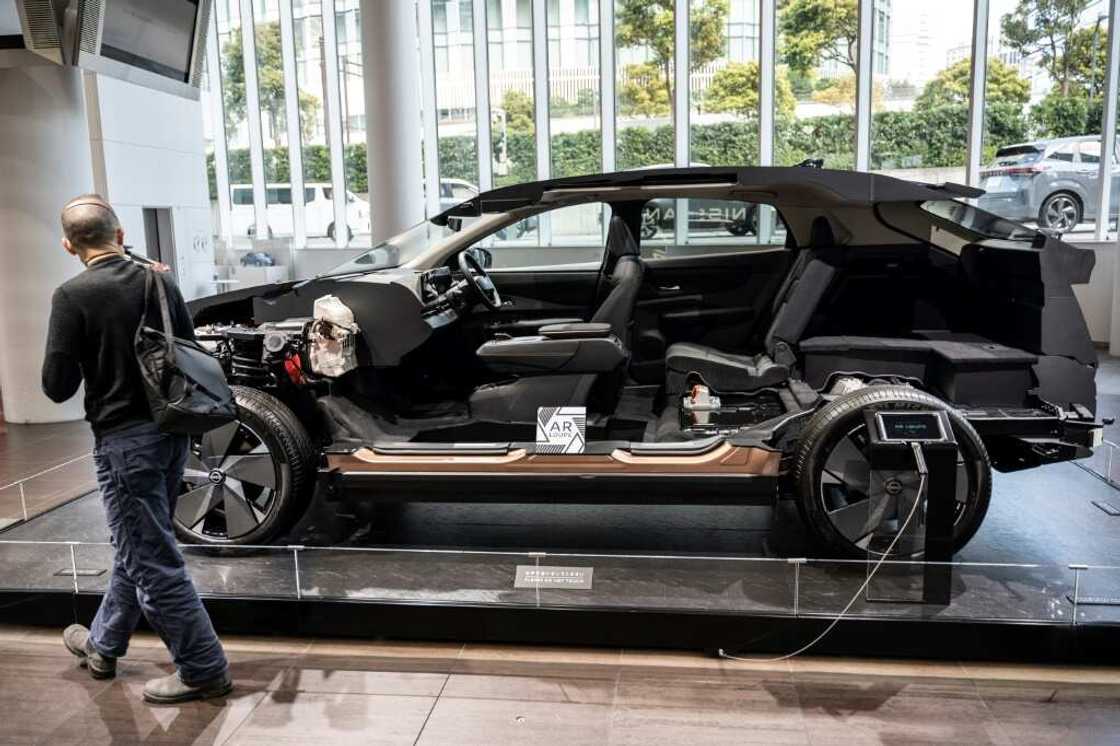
<point>620,241</point>
<point>820,234</point>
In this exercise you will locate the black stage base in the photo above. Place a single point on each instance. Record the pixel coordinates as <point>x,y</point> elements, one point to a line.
<point>667,577</point>
<point>739,634</point>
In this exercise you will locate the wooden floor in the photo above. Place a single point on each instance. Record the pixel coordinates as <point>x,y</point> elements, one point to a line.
<point>335,692</point>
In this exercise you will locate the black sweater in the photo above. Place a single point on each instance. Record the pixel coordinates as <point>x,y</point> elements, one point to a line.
<point>93,323</point>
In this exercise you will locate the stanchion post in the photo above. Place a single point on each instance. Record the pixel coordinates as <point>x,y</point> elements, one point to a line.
<point>295,567</point>
<point>23,501</point>
<point>797,562</point>
<point>1076,587</point>
<point>537,564</point>
<point>74,564</point>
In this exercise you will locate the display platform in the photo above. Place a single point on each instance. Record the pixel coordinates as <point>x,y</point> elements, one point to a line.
<point>688,577</point>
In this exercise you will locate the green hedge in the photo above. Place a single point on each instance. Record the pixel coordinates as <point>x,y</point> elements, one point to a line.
<point>316,167</point>
<point>928,138</point>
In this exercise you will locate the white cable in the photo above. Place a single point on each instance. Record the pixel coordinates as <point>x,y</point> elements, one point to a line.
<point>858,593</point>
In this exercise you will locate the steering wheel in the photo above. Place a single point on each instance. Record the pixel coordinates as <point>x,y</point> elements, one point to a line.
<point>479,281</point>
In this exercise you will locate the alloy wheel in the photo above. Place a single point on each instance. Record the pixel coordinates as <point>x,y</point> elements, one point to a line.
<point>1061,213</point>
<point>846,492</point>
<point>229,485</point>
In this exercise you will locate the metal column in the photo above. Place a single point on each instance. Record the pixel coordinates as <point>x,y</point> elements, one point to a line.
<point>976,99</point>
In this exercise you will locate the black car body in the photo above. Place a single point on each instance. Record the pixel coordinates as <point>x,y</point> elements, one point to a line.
<point>735,372</point>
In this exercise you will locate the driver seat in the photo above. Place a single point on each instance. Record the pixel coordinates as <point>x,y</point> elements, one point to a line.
<point>518,400</point>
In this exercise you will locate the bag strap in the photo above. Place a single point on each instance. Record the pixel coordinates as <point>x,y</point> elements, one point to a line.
<point>164,309</point>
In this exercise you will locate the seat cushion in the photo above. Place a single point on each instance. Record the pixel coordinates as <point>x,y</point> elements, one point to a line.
<point>720,370</point>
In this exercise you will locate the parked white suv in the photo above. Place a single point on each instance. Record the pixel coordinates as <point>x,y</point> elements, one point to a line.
<point>318,212</point>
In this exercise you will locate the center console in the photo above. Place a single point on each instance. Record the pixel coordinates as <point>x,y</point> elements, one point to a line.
<point>557,348</point>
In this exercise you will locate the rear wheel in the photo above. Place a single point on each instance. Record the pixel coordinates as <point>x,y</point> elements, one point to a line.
<point>246,482</point>
<point>832,473</point>
<point>1060,211</point>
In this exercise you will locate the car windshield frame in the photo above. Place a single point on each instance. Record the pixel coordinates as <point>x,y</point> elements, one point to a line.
<point>396,251</point>
<point>976,222</point>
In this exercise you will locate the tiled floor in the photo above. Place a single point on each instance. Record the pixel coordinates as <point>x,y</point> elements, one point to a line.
<point>337,692</point>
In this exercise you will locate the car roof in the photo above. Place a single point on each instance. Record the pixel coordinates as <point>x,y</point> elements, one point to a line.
<point>777,185</point>
<point>1051,141</point>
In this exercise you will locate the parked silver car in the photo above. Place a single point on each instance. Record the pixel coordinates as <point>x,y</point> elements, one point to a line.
<point>1053,182</point>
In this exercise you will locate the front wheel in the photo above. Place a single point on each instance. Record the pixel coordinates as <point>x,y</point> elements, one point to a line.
<point>832,473</point>
<point>249,481</point>
<point>349,233</point>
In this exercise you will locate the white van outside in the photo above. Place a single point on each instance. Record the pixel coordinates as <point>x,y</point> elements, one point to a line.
<point>318,210</point>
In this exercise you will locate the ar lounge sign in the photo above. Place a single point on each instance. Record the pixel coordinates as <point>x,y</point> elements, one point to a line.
<point>561,429</point>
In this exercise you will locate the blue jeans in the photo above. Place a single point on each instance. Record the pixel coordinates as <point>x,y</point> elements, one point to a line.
<point>139,471</point>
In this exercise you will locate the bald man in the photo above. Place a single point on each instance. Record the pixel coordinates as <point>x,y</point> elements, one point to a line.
<point>94,318</point>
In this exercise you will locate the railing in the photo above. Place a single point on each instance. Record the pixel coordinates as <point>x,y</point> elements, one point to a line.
<point>76,475</point>
<point>456,88</point>
<point>1094,465</point>
<point>1071,594</point>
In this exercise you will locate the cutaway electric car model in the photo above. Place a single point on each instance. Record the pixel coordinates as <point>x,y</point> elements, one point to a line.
<point>701,367</point>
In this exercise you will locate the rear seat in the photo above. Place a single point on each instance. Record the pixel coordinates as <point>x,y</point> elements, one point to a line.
<point>808,279</point>
<point>967,369</point>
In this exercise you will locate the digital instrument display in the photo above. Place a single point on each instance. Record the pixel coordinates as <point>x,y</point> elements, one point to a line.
<point>910,426</point>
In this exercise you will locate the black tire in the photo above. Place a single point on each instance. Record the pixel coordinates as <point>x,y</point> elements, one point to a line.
<point>748,226</point>
<point>843,418</point>
<point>1061,211</point>
<point>349,233</point>
<point>267,432</point>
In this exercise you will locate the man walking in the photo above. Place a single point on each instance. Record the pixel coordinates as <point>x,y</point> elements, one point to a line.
<point>94,317</point>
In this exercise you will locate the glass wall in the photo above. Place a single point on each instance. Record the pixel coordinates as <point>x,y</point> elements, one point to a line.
<point>1046,66</point>
<point>1042,124</point>
<point>453,31</point>
<point>352,105</point>
<point>509,41</point>
<point>311,73</point>
<point>235,125</point>
<point>815,82</point>
<point>724,82</point>
<point>575,111</point>
<point>645,56</point>
<point>919,98</point>
<point>274,124</point>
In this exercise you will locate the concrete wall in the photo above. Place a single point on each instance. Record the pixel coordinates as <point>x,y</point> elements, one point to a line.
<point>148,152</point>
<point>1096,296</point>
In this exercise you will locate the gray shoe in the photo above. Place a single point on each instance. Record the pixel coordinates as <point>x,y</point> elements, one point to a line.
<point>76,639</point>
<point>171,690</point>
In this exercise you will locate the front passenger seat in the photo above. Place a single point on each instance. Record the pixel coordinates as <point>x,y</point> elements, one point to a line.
<point>624,271</point>
<point>518,400</point>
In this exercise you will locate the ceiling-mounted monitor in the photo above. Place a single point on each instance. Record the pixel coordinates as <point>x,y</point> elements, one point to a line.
<point>155,43</point>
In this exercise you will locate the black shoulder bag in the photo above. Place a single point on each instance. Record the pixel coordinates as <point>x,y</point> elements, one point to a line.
<point>185,385</point>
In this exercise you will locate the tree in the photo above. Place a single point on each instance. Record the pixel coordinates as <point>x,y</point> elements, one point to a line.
<point>735,89</point>
<point>953,85</point>
<point>649,24</point>
<point>1066,116</point>
<point>815,31</point>
<point>519,111</point>
<point>841,93</point>
<point>270,83</point>
<point>1044,27</point>
<point>644,91</point>
<point>1086,53</point>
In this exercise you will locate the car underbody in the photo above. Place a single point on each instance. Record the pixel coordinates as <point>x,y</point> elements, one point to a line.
<point>727,375</point>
